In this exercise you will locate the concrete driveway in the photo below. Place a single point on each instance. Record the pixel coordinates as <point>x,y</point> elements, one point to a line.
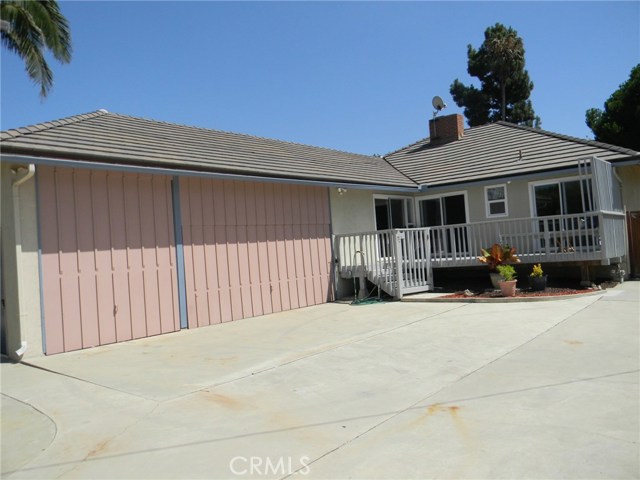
<point>394,390</point>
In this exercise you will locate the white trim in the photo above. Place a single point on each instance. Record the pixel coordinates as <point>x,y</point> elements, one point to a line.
<point>442,195</point>
<point>487,203</point>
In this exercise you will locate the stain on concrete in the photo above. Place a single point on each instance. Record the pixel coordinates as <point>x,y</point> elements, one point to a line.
<point>224,400</point>
<point>99,448</point>
<point>436,408</point>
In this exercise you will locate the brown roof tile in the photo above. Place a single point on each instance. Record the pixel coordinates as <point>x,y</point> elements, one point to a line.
<point>498,150</point>
<point>113,138</point>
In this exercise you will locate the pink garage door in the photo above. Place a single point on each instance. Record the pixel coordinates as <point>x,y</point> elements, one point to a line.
<point>108,257</point>
<point>253,248</point>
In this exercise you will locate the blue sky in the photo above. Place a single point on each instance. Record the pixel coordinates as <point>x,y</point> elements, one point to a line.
<point>355,76</point>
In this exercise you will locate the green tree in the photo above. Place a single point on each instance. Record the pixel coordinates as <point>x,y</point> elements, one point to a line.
<point>619,123</point>
<point>29,28</point>
<point>505,85</point>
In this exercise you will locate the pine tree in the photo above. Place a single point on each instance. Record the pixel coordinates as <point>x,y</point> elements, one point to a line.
<point>619,123</point>
<point>505,85</point>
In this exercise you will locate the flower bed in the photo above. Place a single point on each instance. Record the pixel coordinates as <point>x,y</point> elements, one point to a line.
<point>548,292</point>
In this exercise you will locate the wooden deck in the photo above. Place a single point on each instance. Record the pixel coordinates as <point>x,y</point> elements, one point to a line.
<point>400,261</point>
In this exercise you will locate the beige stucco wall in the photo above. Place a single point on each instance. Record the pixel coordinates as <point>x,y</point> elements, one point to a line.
<point>352,212</point>
<point>518,202</point>
<point>630,176</point>
<point>20,325</point>
<point>518,197</point>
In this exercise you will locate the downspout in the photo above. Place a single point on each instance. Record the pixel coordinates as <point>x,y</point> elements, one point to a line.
<point>20,179</point>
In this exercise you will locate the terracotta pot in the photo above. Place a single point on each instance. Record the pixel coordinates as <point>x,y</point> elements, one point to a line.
<point>538,284</point>
<point>508,289</point>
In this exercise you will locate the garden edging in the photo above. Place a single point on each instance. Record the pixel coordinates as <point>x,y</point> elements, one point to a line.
<point>443,299</point>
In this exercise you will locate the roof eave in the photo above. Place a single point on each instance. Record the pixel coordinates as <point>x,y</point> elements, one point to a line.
<point>20,154</point>
<point>541,173</point>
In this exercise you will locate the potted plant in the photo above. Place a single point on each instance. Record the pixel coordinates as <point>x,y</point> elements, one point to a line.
<point>537,279</point>
<point>508,283</point>
<point>498,254</point>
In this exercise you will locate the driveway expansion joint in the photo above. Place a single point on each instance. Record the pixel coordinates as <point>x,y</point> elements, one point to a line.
<point>84,380</point>
<point>330,348</point>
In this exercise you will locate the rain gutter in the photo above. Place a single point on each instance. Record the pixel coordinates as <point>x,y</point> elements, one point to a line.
<point>196,173</point>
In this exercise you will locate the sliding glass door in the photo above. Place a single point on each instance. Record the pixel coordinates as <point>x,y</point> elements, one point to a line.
<point>392,212</point>
<point>442,211</point>
<point>561,198</point>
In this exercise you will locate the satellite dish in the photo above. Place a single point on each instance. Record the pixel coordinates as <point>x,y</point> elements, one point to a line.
<point>438,104</point>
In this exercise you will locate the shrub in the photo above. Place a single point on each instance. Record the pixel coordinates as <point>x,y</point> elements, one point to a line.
<point>498,254</point>
<point>507,272</point>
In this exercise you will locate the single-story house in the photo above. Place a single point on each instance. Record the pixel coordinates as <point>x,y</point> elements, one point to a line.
<point>557,199</point>
<point>116,227</point>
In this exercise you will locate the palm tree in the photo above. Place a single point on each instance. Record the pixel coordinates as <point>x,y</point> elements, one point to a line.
<point>28,28</point>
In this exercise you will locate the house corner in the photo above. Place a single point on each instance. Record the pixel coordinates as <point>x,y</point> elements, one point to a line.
<point>21,312</point>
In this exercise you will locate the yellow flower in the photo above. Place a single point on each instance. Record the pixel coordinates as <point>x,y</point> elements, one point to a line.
<point>537,271</point>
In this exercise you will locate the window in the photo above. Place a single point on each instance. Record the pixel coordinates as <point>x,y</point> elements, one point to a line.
<point>496,201</point>
<point>565,204</point>
<point>562,198</point>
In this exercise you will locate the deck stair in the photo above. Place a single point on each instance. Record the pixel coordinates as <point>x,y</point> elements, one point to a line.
<point>395,260</point>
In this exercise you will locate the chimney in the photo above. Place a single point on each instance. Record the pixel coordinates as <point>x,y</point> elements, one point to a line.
<point>446,129</point>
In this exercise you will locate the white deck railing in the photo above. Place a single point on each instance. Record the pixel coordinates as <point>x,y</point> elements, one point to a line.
<point>400,261</point>
<point>397,261</point>
<point>596,236</point>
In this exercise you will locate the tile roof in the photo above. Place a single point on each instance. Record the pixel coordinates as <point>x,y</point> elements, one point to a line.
<point>489,151</point>
<point>113,138</point>
<point>497,150</point>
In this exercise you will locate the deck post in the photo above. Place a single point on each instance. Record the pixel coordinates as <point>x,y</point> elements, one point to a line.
<point>585,279</point>
<point>336,262</point>
<point>397,236</point>
<point>429,267</point>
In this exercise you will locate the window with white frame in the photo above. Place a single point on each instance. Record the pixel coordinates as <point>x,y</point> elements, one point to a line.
<point>562,197</point>
<point>496,200</point>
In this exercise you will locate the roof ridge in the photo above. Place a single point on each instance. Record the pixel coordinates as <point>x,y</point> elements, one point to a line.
<point>593,143</point>
<point>39,127</point>
<point>405,147</point>
<point>246,135</point>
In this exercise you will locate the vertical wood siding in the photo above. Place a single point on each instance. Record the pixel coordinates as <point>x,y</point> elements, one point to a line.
<point>108,257</point>
<point>253,248</point>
